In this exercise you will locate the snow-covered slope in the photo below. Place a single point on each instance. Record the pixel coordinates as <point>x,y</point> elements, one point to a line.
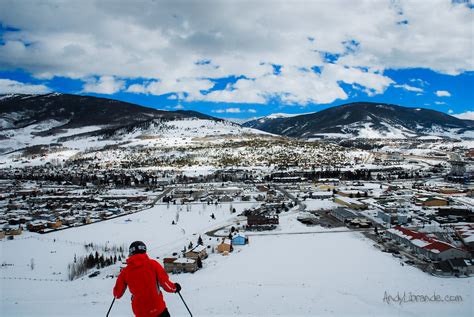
<point>79,122</point>
<point>318,272</point>
<point>367,120</point>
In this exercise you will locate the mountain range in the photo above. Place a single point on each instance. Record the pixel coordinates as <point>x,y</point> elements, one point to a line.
<point>366,120</point>
<point>82,121</point>
<point>32,120</point>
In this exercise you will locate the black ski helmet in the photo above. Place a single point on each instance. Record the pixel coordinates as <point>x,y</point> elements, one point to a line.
<point>136,248</point>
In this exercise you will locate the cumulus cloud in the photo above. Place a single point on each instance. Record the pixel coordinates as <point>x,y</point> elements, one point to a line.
<point>104,85</point>
<point>8,86</point>
<point>443,93</point>
<point>188,88</point>
<point>182,47</point>
<point>468,115</point>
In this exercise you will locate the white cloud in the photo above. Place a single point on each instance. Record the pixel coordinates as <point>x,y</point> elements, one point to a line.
<point>104,85</point>
<point>191,86</point>
<point>227,110</point>
<point>440,103</point>
<point>450,111</point>
<point>408,88</point>
<point>442,93</point>
<point>188,44</point>
<point>419,81</point>
<point>468,115</point>
<point>8,86</point>
<point>178,107</point>
<point>251,111</point>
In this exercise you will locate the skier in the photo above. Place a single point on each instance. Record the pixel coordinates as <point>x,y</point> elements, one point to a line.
<point>144,276</point>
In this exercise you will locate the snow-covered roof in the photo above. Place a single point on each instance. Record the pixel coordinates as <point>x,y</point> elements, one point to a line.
<point>349,200</point>
<point>184,260</point>
<point>226,241</point>
<point>198,248</point>
<point>421,240</point>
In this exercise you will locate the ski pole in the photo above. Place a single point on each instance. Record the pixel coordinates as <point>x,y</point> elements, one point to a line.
<point>110,307</point>
<point>185,304</point>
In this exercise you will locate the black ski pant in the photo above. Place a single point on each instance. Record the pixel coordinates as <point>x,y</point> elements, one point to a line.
<point>165,313</point>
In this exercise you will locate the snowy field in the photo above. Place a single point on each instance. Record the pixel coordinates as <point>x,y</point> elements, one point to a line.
<point>321,273</point>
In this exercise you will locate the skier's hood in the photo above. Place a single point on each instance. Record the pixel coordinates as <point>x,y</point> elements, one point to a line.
<point>137,260</point>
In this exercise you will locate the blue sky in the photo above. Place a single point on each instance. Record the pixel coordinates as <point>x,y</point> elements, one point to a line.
<point>202,56</point>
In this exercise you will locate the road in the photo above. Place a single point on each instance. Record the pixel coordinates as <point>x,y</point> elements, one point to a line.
<point>301,206</point>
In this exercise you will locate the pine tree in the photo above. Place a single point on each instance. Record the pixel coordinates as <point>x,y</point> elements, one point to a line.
<point>199,262</point>
<point>200,241</point>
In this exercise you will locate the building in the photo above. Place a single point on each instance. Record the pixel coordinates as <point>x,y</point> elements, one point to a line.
<point>466,233</point>
<point>360,223</point>
<point>344,214</point>
<point>350,202</point>
<point>54,224</point>
<point>425,246</point>
<point>2,235</point>
<point>261,217</point>
<point>225,246</point>
<point>198,251</point>
<point>453,267</point>
<point>393,217</point>
<point>352,193</point>
<point>12,230</point>
<point>458,168</point>
<point>168,264</point>
<point>432,201</point>
<point>180,265</point>
<point>239,239</point>
<point>37,226</point>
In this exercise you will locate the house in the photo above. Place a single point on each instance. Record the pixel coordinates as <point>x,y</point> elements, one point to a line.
<point>36,226</point>
<point>261,217</point>
<point>12,230</point>
<point>2,235</point>
<point>54,224</point>
<point>424,245</point>
<point>180,265</point>
<point>198,251</point>
<point>225,246</point>
<point>168,264</point>
<point>350,202</point>
<point>239,239</point>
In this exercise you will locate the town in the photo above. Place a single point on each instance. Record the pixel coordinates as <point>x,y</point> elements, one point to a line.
<point>417,207</point>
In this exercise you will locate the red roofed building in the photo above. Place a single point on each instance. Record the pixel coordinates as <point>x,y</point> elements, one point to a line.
<point>426,246</point>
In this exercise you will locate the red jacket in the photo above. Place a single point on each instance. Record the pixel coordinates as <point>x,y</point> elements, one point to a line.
<point>142,275</point>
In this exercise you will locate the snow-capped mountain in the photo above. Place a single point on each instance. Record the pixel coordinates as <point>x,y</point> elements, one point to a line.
<point>75,121</point>
<point>366,120</point>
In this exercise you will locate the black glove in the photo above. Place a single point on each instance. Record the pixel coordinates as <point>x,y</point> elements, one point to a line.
<point>178,287</point>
